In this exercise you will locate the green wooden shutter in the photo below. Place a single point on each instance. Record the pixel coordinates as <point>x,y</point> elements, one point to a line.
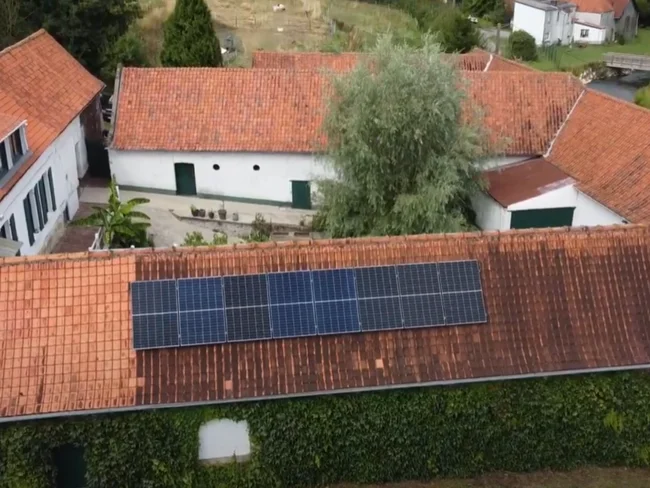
<point>50,180</point>
<point>39,207</point>
<point>29,219</point>
<point>12,224</point>
<point>44,205</point>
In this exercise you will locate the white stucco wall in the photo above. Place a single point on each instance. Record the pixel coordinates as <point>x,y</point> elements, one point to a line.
<point>590,17</point>
<point>561,198</point>
<point>497,162</point>
<point>561,26</point>
<point>594,35</point>
<point>60,156</point>
<point>630,13</point>
<point>234,178</point>
<point>531,20</point>
<point>590,212</point>
<point>490,215</point>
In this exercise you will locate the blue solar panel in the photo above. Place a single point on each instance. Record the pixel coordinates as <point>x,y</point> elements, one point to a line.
<point>379,281</point>
<point>245,291</point>
<point>459,276</point>
<point>202,327</point>
<point>200,294</point>
<point>422,311</point>
<point>337,317</point>
<point>153,297</point>
<point>248,323</point>
<point>290,287</point>
<point>153,331</point>
<point>464,308</point>
<point>334,284</point>
<point>418,279</point>
<point>380,313</point>
<point>293,320</point>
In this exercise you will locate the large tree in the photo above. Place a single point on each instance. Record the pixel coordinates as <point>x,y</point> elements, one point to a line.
<point>456,33</point>
<point>402,150</point>
<point>86,28</point>
<point>190,39</point>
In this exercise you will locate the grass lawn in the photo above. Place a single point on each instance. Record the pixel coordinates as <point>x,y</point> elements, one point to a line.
<point>581,478</point>
<point>303,25</point>
<point>570,57</point>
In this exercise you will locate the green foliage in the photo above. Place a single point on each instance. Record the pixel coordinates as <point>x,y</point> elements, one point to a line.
<point>128,50</point>
<point>260,229</point>
<point>190,39</point>
<point>123,226</point>
<point>523,425</point>
<point>196,239</point>
<point>492,9</point>
<point>403,158</point>
<point>456,33</point>
<point>521,45</point>
<point>642,97</point>
<point>87,29</point>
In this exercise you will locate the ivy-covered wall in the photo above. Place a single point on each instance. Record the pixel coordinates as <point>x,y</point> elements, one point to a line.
<point>556,423</point>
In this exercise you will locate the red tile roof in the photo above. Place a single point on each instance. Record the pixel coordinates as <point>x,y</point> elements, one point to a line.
<point>8,124</point>
<point>43,84</point>
<point>521,181</point>
<point>266,110</point>
<point>605,146</point>
<point>558,301</point>
<point>595,6</point>
<point>619,7</point>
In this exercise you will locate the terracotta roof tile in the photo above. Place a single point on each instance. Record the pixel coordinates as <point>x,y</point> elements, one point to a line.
<point>595,6</point>
<point>42,83</point>
<point>557,301</point>
<point>499,63</point>
<point>9,123</point>
<point>605,146</point>
<point>268,110</point>
<point>520,181</point>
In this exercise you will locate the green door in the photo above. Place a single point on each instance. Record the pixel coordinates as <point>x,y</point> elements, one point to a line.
<point>185,180</point>
<point>548,217</point>
<point>70,466</point>
<point>300,194</point>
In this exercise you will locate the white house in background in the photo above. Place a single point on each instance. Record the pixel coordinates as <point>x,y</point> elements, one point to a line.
<point>549,22</point>
<point>580,21</point>
<point>44,96</point>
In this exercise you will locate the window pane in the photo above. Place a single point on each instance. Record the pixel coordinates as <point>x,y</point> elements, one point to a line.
<point>16,146</point>
<point>4,163</point>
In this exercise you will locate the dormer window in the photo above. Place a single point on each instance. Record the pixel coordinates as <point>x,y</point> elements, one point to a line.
<point>13,150</point>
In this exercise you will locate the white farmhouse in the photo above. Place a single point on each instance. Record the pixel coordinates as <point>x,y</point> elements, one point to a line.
<point>580,21</point>
<point>46,101</point>
<point>549,22</point>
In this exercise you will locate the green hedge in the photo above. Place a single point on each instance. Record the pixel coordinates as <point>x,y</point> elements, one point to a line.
<point>557,423</point>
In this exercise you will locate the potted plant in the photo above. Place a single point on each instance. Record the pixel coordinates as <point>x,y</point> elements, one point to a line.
<point>235,216</point>
<point>222,211</point>
<point>211,214</point>
<point>194,210</point>
<point>201,212</point>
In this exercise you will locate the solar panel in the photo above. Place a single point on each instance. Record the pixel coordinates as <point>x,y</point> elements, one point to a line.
<point>200,294</point>
<point>248,323</point>
<point>155,330</point>
<point>380,313</point>
<point>245,291</point>
<point>333,284</point>
<point>418,279</point>
<point>463,308</point>
<point>202,327</point>
<point>422,310</point>
<point>290,287</point>
<point>295,320</point>
<point>458,276</point>
<point>379,281</point>
<point>337,317</point>
<point>153,297</point>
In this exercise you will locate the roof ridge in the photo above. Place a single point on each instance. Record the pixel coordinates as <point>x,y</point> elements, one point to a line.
<point>316,243</point>
<point>30,37</point>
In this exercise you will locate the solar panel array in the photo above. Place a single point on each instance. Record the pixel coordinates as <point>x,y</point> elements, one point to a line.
<point>215,310</point>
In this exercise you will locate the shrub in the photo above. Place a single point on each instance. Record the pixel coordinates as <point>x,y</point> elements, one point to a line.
<point>456,33</point>
<point>642,97</point>
<point>128,50</point>
<point>521,45</point>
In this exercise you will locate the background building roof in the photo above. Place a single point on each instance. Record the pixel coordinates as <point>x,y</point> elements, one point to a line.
<point>42,83</point>
<point>558,302</point>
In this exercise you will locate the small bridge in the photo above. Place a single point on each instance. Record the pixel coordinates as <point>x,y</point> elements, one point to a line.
<point>627,61</point>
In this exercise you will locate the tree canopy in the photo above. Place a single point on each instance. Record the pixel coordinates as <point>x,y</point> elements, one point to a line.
<point>402,155</point>
<point>456,33</point>
<point>87,29</point>
<point>190,39</point>
<point>521,45</point>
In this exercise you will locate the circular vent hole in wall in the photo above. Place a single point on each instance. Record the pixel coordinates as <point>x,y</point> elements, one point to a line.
<point>215,167</point>
<point>256,167</point>
<point>223,441</point>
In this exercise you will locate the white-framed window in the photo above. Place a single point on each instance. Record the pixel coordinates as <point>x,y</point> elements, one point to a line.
<point>5,163</point>
<point>8,230</point>
<point>584,33</point>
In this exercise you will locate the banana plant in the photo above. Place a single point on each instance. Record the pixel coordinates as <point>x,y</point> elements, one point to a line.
<point>122,224</point>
